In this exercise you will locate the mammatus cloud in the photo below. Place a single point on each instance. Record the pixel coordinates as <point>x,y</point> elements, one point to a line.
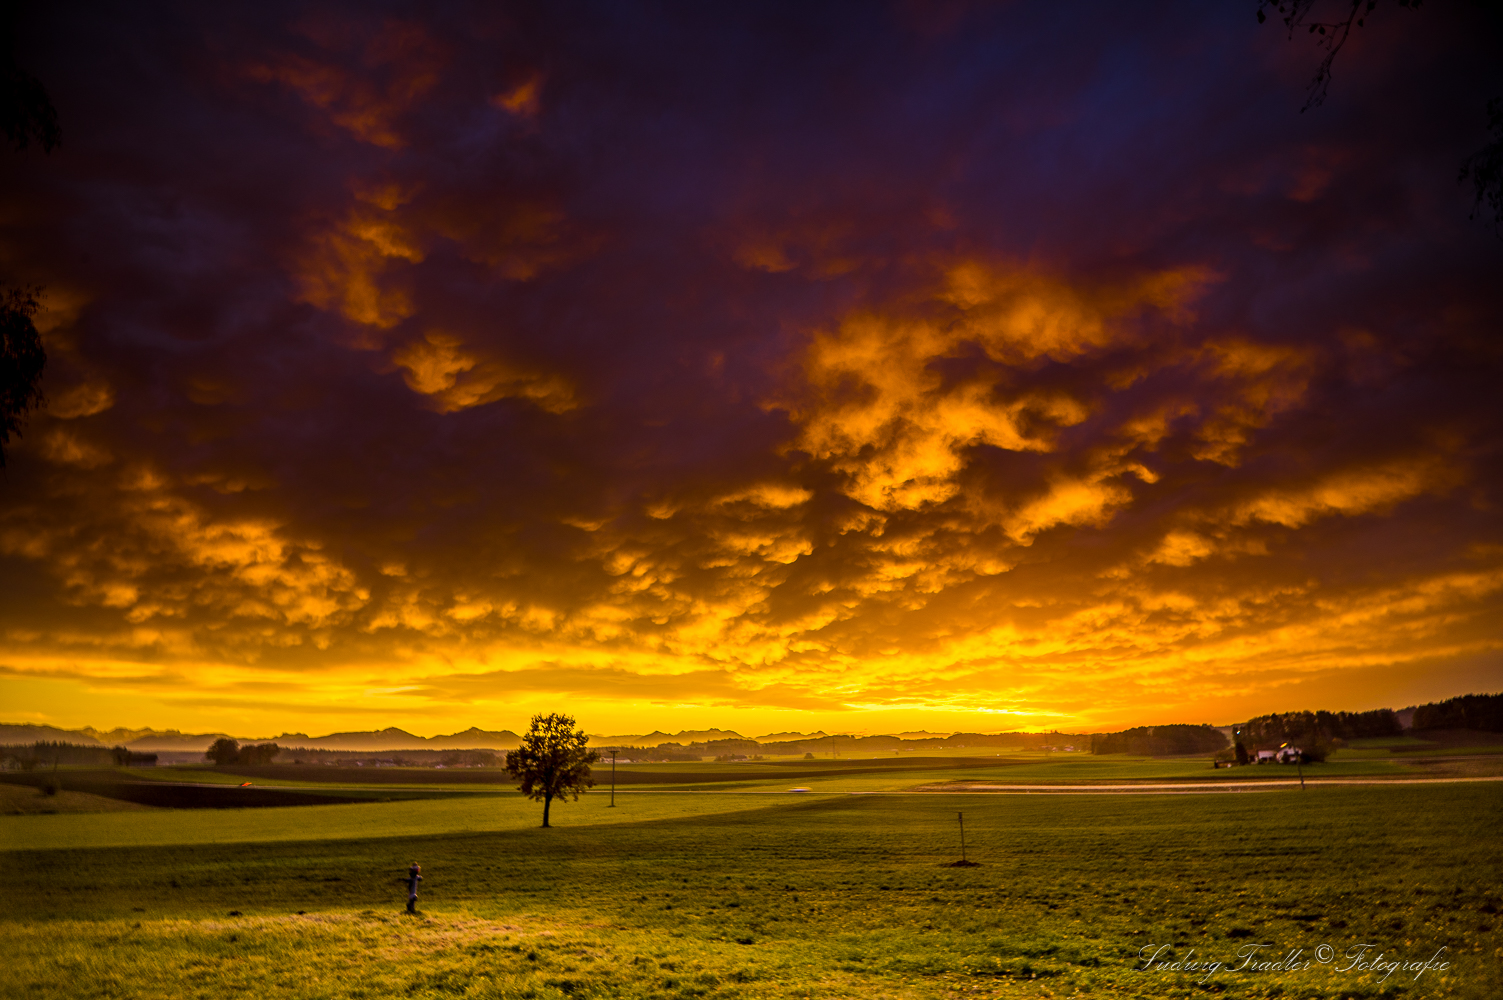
<point>476,363</point>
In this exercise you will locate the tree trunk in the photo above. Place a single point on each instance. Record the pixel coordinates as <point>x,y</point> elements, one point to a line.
<point>547,801</point>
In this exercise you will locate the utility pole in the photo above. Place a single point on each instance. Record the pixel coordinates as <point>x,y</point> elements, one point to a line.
<point>961,816</point>
<point>614,751</point>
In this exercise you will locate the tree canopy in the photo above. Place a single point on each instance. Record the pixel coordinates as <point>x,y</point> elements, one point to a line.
<point>26,111</point>
<point>228,751</point>
<point>553,761</point>
<point>223,751</point>
<point>22,359</point>
<point>26,116</point>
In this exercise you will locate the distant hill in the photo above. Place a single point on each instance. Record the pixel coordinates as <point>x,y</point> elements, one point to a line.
<point>173,740</point>
<point>44,734</point>
<point>399,739</point>
<point>477,739</point>
<point>1482,712</point>
<point>1161,741</point>
<point>790,737</point>
<point>135,739</point>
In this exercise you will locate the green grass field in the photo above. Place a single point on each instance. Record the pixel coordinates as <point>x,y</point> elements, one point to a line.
<point>895,772</point>
<point>679,894</point>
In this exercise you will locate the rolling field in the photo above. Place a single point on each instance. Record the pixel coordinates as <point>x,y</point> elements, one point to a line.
<point>772,895</point>
<point>1412,759</point>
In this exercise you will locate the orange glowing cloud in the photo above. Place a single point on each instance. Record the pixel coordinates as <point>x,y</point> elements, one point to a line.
<point>439,366</point>
<point>880,406</point>
<point>345,269</point>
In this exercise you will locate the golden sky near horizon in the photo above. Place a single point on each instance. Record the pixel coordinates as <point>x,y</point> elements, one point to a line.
<point>436,373</point>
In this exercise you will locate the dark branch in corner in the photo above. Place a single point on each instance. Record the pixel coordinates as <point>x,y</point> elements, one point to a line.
<point>26,112</point>
<point>1330,35</point>
<point>1484,169</point>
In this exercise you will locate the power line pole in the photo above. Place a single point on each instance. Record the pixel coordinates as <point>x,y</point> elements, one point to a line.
<point>614,751</point>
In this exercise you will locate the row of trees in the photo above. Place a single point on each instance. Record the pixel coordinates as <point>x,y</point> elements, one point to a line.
<point>662,753</point>
<point>1161,741</point>
<point>1319,727</point>
<point>225,751</point>
<point>850,744</point>
<point>1470,711</point>
<point>45,753</point>
<point>126,757</point>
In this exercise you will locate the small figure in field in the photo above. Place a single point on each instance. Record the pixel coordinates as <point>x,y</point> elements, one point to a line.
<point>414,876</point>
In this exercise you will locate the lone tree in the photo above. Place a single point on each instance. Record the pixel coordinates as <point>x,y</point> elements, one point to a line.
<point>224,751</point>
<point>552,761</point>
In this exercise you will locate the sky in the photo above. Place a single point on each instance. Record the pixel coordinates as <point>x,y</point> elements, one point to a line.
<point>774,367</point>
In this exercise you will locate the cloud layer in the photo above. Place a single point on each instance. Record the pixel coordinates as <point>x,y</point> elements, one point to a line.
<point>798,368</point>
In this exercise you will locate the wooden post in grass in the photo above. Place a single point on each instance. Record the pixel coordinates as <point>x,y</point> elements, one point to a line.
<point>961,816</point>
<point>1299,763</point>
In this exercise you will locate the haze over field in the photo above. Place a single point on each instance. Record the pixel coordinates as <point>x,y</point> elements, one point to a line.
<point>390,738</point>
<point>782,368</point>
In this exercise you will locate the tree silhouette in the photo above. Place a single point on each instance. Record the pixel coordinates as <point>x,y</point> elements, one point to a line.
<point>259,754</point>
<point>26,112</point>
<point>26,115</point>
<point>21,361</point>
<point>1330,35</point>
<point>552,761</point>
<point>1484,168</point>
<point>224,751</point>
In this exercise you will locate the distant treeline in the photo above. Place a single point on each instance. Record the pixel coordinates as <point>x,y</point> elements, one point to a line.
<point>864,744</point>
<point>43,753</point>
<point>666,752</point>
<point>1470,711</point>
<point>227,752</point>
<point>1319,727</point>
<point>394,758</point>
<point>1161,741</point>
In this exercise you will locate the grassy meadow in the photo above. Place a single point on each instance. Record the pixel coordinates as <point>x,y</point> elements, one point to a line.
<point>755,891</point>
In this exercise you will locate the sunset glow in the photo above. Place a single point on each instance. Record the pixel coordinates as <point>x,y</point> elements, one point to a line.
<point>862,369</point>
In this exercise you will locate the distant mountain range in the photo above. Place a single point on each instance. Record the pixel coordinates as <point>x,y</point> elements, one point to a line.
<point>398,739</point>
<point>147,740</point>
<point>688,736</point>
<point>172,739</point>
